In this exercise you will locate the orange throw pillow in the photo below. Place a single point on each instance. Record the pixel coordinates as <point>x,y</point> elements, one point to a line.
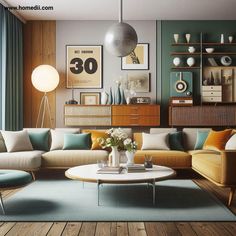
<point>216,140</point>
<point>95,134</point>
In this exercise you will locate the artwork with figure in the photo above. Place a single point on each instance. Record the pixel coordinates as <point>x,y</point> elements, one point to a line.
<point>138,59</point>
<point>138,82</point>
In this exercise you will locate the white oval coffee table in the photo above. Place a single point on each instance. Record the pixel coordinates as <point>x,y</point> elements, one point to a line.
<point>88,173</point>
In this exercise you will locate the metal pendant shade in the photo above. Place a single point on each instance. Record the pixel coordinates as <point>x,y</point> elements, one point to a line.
<point>121,38</point>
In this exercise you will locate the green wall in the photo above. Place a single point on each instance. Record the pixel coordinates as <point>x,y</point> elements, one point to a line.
<point>165,29</point>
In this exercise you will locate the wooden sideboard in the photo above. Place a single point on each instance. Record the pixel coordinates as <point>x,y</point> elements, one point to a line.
<point>112,115</point>
<point>203,116</point>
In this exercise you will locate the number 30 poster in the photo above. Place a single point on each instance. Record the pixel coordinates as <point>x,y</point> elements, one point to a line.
<point>84,66</point>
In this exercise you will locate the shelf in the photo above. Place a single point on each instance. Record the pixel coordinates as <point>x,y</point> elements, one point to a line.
<point>185,67</point>
<point>220,44</point>
<point>184,44</point>
<point>186,53</point>
<point>224,67</point>
<point>219,53</point>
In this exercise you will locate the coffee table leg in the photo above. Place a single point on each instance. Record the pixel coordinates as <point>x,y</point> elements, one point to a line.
<point>98,183</point>
<point>154,191</point>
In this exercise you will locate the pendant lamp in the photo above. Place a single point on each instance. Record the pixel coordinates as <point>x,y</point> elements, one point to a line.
<point>121,38</point>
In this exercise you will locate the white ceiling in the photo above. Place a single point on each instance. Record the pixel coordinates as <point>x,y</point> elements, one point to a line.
<point>133,9</point>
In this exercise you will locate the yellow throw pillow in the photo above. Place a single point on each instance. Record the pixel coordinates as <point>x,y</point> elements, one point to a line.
<point>216,140</point>
<point>95,134</point>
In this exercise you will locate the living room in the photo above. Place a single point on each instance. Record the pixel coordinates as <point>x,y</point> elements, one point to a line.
<point>117,117</point>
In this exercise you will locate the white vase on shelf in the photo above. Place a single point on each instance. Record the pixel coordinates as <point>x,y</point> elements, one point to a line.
<point>190,61</point>
<point>187,36</point>
<point>176,38</point>
<point>231,39</point>
<point>222,38</point>
<point>176,61</point>
<point>104,98</point>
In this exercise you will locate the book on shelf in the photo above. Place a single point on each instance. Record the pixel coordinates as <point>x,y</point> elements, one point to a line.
<point>110,170</point>
<point>212,61</point>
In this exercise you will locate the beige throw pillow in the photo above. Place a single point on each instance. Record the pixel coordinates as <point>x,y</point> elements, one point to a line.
<point>57,137</point>
<point>231,143</point>
<point>155,141</point>
<point>17,141</point>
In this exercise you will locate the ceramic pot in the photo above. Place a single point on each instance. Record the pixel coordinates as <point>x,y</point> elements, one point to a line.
<point>231,39</point>
<point>115,156</point>
<point>104,98</point>
<point>130,157</point>
<point>190,61</point>
<point>176,38</point>
<point>191,49</point>
<point>226,60</point>
<point>176,61</point>
<point>128,100</point>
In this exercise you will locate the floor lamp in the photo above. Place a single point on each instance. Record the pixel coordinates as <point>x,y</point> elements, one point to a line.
<point>45,78</point>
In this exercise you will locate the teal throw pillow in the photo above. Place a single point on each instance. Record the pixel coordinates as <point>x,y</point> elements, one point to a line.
<point>77,141</point>
<point>39,140</point>
<point>201,138</point>
<point>176,141</point>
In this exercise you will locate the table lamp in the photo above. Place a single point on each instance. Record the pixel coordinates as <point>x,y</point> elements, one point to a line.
<point>45,78</point>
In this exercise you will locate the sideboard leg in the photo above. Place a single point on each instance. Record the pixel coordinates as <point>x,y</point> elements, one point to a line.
<point>231,195</point>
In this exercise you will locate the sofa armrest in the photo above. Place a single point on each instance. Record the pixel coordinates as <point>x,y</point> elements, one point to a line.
<point>228,169</point>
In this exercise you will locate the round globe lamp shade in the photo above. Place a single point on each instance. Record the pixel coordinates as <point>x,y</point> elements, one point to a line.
<point>121,39</point>
<point>45,78</point>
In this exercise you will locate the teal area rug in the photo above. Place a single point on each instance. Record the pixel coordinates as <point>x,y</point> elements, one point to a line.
<point>67,200</point>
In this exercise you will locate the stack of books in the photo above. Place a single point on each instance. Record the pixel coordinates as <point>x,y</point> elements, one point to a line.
<point>135,168</point>
<point>110,170</point>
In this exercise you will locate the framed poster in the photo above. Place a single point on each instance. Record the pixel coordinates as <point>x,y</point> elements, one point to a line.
<point>138,59</point>
<point>139,82</point>
<point>84,66</point>
<point>89,98</point>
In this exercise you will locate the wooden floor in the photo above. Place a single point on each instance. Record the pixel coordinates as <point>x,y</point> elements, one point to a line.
<point>127,228</point>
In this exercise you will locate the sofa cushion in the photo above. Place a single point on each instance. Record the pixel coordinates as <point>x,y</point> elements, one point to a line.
<point>158,141</point>
<point>190,137</point>
<point>95,135</point>
<point>17,141</point>
<point>216,140</point>
<point>175,159</point>
<point>2,144</point>
<point>57,137</point>
<point>208,164</point>
<point>176,141</point>
<point>77,141</point>
<point>70,158</point>
<point>201,138</point>
<point>162,130</point>
<point>39,140</point>
<point>231,143</point>
<point>28,160</point>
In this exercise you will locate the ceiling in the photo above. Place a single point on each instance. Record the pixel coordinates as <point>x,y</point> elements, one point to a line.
<point>133,9</point>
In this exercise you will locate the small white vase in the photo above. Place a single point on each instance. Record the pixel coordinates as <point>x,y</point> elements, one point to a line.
<point>187,36</point>
<point>104,98</point>
<point>176,38</point>
<point>176,61</point>
<point>190,61</point>
<point>231,39</point>
<point>191,49</point>
<point>115,156</point>
<point>222,38</point>
<point>130,157</point>
<point>128,100</point>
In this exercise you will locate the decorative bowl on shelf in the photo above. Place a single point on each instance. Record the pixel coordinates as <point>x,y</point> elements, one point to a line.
<point>209,50</point>
<point>191,49</point>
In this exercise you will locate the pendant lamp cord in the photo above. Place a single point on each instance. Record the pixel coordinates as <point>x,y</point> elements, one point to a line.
<point>121,12</point>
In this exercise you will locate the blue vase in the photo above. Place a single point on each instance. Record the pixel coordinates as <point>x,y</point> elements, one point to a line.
<point>122,100</point>
<point>117,95</point>
<point>110,98</point>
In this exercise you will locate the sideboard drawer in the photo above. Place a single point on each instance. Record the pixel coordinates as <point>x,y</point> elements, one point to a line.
<point>212,88</point>
<point>212,94</point>
<point>212,99</point>
<point>135,120</point>
<point>145,110</point>
<point>71,110</point>
<point>88,121</point>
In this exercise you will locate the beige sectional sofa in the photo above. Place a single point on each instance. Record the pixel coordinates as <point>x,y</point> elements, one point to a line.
<point>218,167</point>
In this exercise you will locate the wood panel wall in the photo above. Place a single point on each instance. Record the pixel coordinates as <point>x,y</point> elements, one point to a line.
<point>39,48</point>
